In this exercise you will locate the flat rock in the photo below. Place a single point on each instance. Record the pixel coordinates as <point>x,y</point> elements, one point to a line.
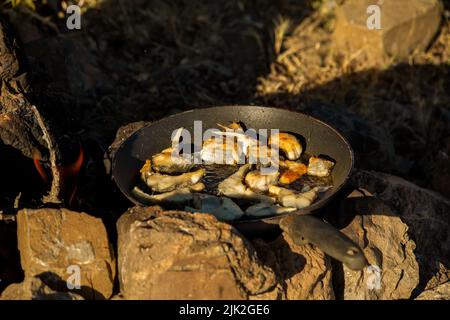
<point>34,288</point>
<point>426,214</point>
<point>304,272</point>
<point>406,26</point>
<point>180,255</point>
<point>51,240</point>
<point>393,272</point>
<point>441,292</point>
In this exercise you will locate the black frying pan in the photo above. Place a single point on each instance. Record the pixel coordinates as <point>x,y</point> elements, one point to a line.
<point>320,138</point>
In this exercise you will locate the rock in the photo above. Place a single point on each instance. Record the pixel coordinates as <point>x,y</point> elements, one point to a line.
<point>122,134</point>
<point>426,214</point>
<point>9,63</point>
<point>52,240</point>
<point>180,255</point>
<point>441,292</point>
<point>442,275</point>
<point>34,289</point>
<point>393,272</point>
<point>406,26</point>
<point>19,127</point>
<point>304,272</point>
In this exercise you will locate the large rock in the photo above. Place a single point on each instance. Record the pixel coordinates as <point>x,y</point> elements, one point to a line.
<point>180,255</point>
<point>122,134</point>
<point>426,214</point>
<point>304,272</point>
<point>51,240</point>
<point>406,26</point>
<point>34,289</point>
<point>9,63</point>
<point>393,271</point>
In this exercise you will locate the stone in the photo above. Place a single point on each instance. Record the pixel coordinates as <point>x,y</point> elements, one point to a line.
<point>9,62</point>
<point>34,288</point>
<point>441,292</point>
<point>406,26</point>
<point>180,255</point>
<point>304,272</point>
<point>121,135</point>
<point>426,214</point>
<point>393,271</point>
<point>52,240</point>
<point>436,278</point>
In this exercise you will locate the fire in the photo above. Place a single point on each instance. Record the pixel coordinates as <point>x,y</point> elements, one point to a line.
<point>38,166</point>
<point>68,175</point>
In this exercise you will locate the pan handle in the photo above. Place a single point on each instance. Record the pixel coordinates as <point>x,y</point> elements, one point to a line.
<point>307,229</point>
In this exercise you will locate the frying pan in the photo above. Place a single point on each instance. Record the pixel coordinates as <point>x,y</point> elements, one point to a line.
<point>319,139</point>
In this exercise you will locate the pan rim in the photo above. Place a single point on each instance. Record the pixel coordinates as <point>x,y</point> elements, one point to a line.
<point>271,219</point>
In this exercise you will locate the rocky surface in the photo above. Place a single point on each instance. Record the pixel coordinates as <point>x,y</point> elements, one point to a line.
<point>441,292</point>
<point>52,240</point>
<point>304,272</point>
<point>9,65</point>
<point>123,133</point>
<point>158,250</point>
<point>179,255</point>
<point>391,220</point>
<point>406,26</point>
<point>393,272</point>
<point>426,214</point>
<point>33,288</point>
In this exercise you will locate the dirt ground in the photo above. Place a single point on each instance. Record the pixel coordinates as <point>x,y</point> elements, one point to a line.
<point>154,58</point>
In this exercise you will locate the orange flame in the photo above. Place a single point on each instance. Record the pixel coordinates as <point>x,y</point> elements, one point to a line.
<point>38,166</point>
<point>69,176</point>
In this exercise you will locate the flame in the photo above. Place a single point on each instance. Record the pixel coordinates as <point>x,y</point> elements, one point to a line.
<point>68,174</point>
<point>72,170</point>
<point>69,177</point>
<point>38,166</point>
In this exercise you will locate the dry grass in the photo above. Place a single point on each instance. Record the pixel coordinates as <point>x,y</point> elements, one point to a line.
<point>410,100</point>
